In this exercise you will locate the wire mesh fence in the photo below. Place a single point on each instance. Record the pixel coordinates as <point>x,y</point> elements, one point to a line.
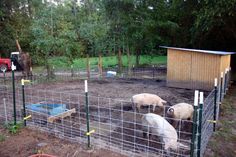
<point>208,118</point>
<point>75,73</point>
<point>116,125</point>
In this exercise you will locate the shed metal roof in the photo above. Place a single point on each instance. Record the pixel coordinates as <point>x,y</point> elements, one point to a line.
<point>201,51</point>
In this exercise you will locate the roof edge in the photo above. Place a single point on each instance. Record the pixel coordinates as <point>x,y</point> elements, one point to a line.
<point>201,51</point>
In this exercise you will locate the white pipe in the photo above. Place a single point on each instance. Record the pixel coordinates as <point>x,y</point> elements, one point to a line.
<point>86,86</point>
<point>196,98</point>
<point>222,75</point>
<point>201,98</point>
<point>215,82</point>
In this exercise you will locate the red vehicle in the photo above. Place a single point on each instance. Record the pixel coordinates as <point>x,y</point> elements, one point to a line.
<point>5,64</point>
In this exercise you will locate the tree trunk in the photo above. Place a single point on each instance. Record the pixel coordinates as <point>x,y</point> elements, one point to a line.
<point>119,61</point>
<point>88,67</point>
<point>138,52</point>
<point>100,64</point>
<point>129,61</point>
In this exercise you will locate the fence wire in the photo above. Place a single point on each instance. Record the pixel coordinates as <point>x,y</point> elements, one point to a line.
<point>70,74</point>
<point>117,127</point>
<point>208,116</point>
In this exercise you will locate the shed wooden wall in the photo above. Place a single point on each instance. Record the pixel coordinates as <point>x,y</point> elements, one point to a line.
<point>193,70</point>
<point>225,62</point>
<point>178,68</point>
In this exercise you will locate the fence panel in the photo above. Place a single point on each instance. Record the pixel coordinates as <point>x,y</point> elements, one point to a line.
<point>117,127</point>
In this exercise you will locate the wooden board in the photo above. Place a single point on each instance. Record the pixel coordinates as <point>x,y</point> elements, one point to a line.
<point>51,119</point>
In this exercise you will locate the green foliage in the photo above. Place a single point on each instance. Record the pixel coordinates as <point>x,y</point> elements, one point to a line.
<point>111,61</point>
<point>215,25</point>
<point>93,27</point>
<point>2,138</point>
<point>14,129</point>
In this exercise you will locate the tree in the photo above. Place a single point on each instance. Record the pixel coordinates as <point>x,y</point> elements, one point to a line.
<point>54,35</point>
<point>215,25</point>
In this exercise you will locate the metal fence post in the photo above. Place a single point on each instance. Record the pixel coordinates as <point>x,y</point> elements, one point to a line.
<point>153,71</point>
<point>194,129</point>
<point>5,110</point>
<point>221,84</point>
<point>4,76</point>
<point>229,83</point>
<point>200,124</point>
<point>13,68</point>
<point>215,105</point>
<point>87,110</point>
<point>72,71</point>
<point>23,98</point>
<point>225,80</point>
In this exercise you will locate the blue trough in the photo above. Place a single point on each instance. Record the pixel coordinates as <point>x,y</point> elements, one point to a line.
<point>49,109</point>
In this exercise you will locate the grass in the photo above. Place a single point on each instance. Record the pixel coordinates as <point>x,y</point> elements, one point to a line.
<point>223,142</point>
<point>14,129</point>
<point>110,61</point>
<point>2,138</point>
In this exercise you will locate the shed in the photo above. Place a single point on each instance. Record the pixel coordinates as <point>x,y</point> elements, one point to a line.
<point>195,69</point>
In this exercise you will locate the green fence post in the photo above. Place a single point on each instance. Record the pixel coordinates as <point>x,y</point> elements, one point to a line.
<point>87,111</point>
<point>200,124</point>
<point>13,68</point>
<point>215,105</point>
<point>221,84</point>
<point>194,128</point>
<point>153,71</point>
<point>229,83</point>
<point>225,81</point>
<point>23,99</point>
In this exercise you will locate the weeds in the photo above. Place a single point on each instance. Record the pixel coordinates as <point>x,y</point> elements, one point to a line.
<point>2,138</point>
<point>12,128</point>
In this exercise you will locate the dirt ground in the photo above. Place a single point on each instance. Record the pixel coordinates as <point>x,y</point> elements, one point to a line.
<point>28,142</point>
<point>123,89</point>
